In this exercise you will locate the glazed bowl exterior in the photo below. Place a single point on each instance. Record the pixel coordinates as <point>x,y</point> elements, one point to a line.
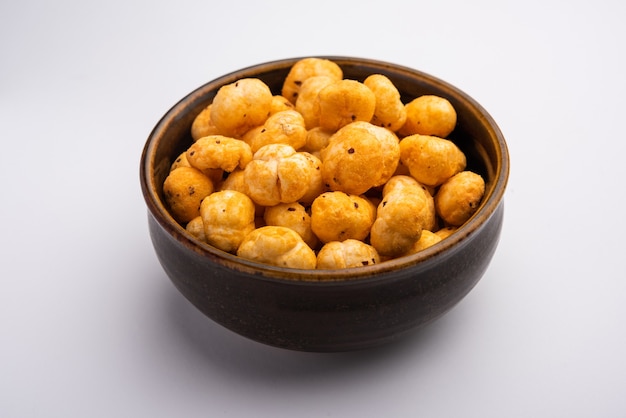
<point>329,310</point>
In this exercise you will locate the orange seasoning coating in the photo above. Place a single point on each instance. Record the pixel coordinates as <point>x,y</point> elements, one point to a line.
<point>431,160</point>
<point>228,216</point>
<point>429,115</point>
<point>278,174</point>
<point>184,189</point>
<point>358,157</point>
<point>332,173</point>
<point>390,112</point>
<point>458,198</point>
<point>279,246</point>
<point>241,106</point>
<point>337,216</point>
<point>219,152</point>
<point>346,254</point>
<point>284,127</point>
<point>304,69</point>
<point>343,102</point>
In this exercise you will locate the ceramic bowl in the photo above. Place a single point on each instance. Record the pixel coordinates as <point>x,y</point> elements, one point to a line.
<point>335,310</point>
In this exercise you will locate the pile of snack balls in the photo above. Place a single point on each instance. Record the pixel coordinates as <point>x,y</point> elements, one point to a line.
<point>332,173</point>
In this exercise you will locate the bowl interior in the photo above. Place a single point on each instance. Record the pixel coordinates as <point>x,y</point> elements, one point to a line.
<point>476,134</point>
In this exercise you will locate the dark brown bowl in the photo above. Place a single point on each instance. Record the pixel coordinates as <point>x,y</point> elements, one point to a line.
<point>335,310</point>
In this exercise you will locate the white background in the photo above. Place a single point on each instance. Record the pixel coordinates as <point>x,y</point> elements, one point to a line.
<point>90,326</point>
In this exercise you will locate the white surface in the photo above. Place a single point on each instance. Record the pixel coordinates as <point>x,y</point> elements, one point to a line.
<point>91,326</point>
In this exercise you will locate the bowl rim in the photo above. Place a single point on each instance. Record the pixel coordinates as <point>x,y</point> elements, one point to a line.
<point>157,209</point>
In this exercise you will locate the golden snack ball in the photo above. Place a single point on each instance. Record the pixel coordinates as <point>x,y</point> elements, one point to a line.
<point>294,216</point>
<point>346,254</point>
<point>315,187</point>
<point>337,216</point>
<point>344,102</point>
<point>292,171</point>
<point>202,125</point>
<point>390,112</point>
<point>427,239</point>
<point>407,184</point>
<point>241,106</point>
<point>431,160</point>
<point>196,228</point>
<point>184,188</point>
<point>219,152</point>
<point>214,174</point>
<point>429,115</point>
<point>316,140</point>
<point>458,198</point>
<point>236,181</point>
<point>307,103</point>
<point>180,161</point>
<point>278,174</point>
<point>280,103</point>
<point>358,157</point>
<point>278,246</point>
<point>285,127</point>
<point>305,68</point>
<point>400,220</point>
<point>228,217</point>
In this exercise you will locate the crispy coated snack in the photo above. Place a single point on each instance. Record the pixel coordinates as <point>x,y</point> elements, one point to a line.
<point>458,198</point>
<point>346,254</point>
<point>329,161</point>
<point>215,174</point>
<point>180,161</point>
<point>427,239</point>
<point>278,174</point>
<point>279,246</point>
<point>404,212</point>
<point>202,125</point>
<point>280,103</point>
<point>235,181</point>
<point>184,188</point>
<point>307,103</point>
<point>344,102</point>
<point>196,228</point>
<point>358,157</point>
<point>431,160</point>
<point>219,152</point>
<point>337,216</point>
<point>241,106</point>
<point>228,216</point>
<point>294,216</point>
<point>285,127</point>
<point>316,140</point>
<point>304,69</point>
<point>315,187</point>
<point>429,115</point>
<point>397,184</point>
<point>390,112</point>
